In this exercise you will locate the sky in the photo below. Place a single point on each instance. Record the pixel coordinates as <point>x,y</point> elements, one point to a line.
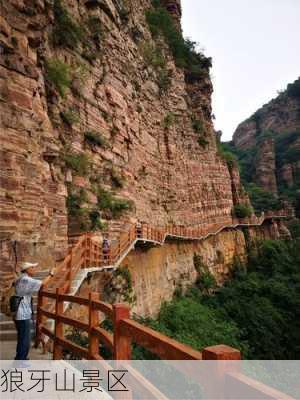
<point>255,46</point>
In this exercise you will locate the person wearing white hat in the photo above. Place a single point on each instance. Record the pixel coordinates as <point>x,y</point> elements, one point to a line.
<point>25,287</point>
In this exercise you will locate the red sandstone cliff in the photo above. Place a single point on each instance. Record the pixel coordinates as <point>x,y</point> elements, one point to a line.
<point>110,125</point>
<point>273,133</point>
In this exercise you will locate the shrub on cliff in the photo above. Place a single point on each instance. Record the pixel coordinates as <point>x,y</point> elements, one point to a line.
<point>227,155</point>
<point>120,287</point>
<point>246,162</point>
<point>294,228</point>
<point>242,211</point>
<point>95,27</point>
<point>119,206</point>
<point>163,80</point>
<point>286,146</point>
<point>154,57</point>
<point>95,139</point>
<point>202,141</point>
<point>75,200</point>
<point>117,179</point>
<point>197,125</point>
<point>113,206</point>
<point>58,73</point>
<point>261,199</point>
<point>206,282</point>
<point>293,89</point>
<point>169,120</point>
<point>70,117</point>
<point>79,163</point>
<point>198,263</point>
<point>183,50</point>
<point>66,32</point>
<point>87,219</point>
<point>76,210</point>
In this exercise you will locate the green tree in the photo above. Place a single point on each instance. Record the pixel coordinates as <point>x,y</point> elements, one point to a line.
<point>188,321</point>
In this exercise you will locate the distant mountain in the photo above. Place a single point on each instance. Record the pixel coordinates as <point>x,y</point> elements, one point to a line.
<point>268,146</point>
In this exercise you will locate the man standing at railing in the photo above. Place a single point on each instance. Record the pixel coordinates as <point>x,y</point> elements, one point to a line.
<point>25,287</point>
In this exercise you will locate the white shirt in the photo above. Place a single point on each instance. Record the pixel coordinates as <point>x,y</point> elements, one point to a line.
<point>26,287</point>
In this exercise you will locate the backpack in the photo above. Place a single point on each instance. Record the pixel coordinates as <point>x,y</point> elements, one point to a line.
<point>10,302</point>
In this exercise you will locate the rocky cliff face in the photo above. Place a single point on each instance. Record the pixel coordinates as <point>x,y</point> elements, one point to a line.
<point>280,115</point>
<point>272,134</point>
<point>100,123</point>
<point>265,167</point>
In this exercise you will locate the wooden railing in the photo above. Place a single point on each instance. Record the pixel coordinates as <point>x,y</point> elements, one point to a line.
<point>127,331</point>
<point>87,253</point>
<point>76,259</point>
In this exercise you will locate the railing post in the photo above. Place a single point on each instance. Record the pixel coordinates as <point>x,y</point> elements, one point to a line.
<point>221,352</point>
<point>110,259</point>
<point>215,386</point>
<point>59,328</point>
<point>122,343</point>
<point>93,246</point>
<point>39,317</point>
<point>69,267</point>
<point>98,256</point>
<point>93,323</point>
<point>85,250</point>
<point>119,248</point>
<point>90,252</point>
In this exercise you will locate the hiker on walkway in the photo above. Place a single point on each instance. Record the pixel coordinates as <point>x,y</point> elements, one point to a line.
<point>25,287</point>
<point>106,250</point>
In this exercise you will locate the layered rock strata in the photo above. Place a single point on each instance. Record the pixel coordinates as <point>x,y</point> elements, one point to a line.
<point>273,132</point>
<point>52,96</point>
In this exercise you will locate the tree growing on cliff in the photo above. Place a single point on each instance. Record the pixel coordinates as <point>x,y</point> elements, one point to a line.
<point>58,73</point>
<point>261,199</point>
<point>242,210</point>
<point>66,32</point>
<point>183,50</point>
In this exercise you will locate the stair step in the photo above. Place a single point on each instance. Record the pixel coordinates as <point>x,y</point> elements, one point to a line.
<point>10,335</point>
<point>7,325</point>
<point>4,317</point>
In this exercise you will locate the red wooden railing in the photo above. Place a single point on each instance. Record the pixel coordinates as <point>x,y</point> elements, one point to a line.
<point>127,331</point>
<point>87,252</point>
